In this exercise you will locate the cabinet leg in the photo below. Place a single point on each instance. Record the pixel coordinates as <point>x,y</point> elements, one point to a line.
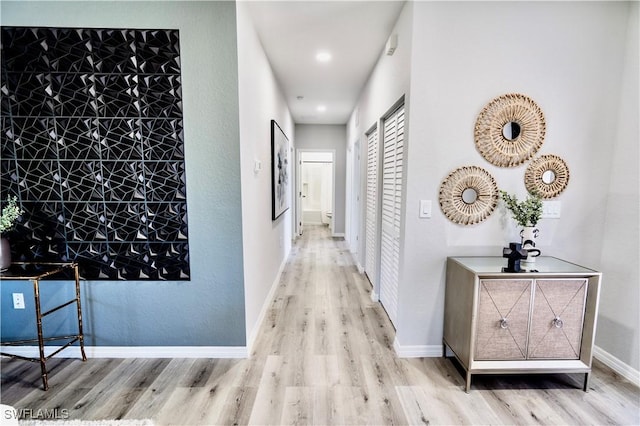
<point>467,387</point>
<point>585,387</point>
<point>444,349</point>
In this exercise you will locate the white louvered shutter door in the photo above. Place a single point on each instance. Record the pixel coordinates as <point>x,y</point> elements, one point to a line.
<point>372,200</point>
<point>393,146</point>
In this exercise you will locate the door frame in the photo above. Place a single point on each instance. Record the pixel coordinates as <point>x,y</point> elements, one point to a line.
<point>298,191</point>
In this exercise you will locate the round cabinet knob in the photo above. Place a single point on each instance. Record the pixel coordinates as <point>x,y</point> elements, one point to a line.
<point>504,323</point>
<point>557,322</point>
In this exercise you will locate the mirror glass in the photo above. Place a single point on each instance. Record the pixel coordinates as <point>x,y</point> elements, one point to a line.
<point>548,177</point>
<point>511,130</point>
<point>469,196</point>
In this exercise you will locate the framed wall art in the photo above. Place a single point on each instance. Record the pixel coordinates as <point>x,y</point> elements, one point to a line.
<point>468,195</point>
<point>92,146</point>
<point>279,171</point>
<point>547,176</point>
<point>510,130</point>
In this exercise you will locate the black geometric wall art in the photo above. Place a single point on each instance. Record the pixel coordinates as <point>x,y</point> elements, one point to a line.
<point>92,145</point>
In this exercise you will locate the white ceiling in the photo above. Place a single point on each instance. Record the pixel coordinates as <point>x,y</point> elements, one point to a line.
<point>292,32</point>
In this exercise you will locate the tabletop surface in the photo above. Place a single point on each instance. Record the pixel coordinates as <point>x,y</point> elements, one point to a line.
<point>542,265</point>
<point>34,270</point>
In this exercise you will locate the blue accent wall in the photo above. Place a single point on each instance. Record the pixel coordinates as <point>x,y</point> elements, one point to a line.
<point>209,309</point>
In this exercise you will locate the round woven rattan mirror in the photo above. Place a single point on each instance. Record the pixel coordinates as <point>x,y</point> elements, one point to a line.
<point>547,176</point>
<point>510,130</point>
<point>468,195</point>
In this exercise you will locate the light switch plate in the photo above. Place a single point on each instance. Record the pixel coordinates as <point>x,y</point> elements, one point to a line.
<point>425,209</point>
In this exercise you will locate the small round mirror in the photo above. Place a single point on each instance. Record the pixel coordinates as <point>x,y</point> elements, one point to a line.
<point>548,177</point>
<point>469,196</point>
<point>511,130</point>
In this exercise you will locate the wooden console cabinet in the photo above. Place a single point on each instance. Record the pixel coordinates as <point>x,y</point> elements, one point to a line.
<point>540,320</point>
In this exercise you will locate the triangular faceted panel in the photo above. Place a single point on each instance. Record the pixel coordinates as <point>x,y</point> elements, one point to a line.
<point>93,148</point>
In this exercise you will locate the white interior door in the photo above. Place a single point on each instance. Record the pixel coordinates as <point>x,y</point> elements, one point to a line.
<point>392,171</point>
<point>371,225</point>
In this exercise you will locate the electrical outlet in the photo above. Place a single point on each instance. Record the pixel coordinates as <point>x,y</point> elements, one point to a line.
<point>18,301</point>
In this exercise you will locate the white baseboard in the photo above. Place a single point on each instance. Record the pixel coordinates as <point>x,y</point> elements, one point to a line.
<point>417,351</point>
<point>134,351</point>
<point>253,335</point>
<point>616,365</point>
<point>338,235</point>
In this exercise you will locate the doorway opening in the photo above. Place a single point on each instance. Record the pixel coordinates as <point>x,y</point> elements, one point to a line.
<point>315,188</point>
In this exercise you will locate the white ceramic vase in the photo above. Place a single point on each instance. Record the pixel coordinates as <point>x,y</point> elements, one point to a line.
<point>529,235</point>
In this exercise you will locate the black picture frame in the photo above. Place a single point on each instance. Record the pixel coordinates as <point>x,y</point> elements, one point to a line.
<point>280,199</point>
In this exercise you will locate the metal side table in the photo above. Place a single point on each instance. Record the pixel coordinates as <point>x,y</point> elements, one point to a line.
<point>36,272</point>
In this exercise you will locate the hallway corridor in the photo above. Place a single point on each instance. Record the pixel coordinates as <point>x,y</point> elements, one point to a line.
<point>324,356</point>
<point>327,348</point>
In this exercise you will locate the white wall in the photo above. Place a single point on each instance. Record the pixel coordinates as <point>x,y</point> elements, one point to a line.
<point>266,243</point>
<point>319,137</point>
<point>619,318</point>
<point>388,82</point>
<point>568,57</point>
<point>352,202</point>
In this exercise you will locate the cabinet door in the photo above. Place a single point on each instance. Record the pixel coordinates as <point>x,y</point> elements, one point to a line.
<point>503,319</point>
<point>556,321</point>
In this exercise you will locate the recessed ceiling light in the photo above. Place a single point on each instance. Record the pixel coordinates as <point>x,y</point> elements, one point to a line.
<point>323,56</point>
<point>321,108</point>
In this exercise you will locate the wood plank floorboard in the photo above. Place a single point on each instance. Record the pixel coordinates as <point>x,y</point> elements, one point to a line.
<point>324,356</point>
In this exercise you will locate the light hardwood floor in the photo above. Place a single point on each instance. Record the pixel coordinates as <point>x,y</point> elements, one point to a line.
<point>324,356</point>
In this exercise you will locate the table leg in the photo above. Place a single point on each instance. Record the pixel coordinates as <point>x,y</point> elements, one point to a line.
<point>43,360</point>
<point>79,307</point>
